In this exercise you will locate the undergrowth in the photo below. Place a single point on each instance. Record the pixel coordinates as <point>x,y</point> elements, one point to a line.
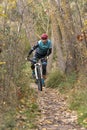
<point>22,115</point>
<point>28,100</point>
<point>59,80</point>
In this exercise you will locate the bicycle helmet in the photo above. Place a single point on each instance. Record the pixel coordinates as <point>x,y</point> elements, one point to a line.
<point>44,36</point>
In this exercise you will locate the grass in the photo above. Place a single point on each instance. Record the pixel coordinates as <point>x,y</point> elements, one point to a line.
<point>79,103</point>
<point>30,112</point>
<point>8,120</point>
<point>54,79</point>
<point>61,81</point>
<point>82,117</point>
<point>78,99</point>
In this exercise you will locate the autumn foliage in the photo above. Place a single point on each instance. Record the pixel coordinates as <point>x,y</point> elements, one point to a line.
<point>21,24</point>
<point>82,36</point>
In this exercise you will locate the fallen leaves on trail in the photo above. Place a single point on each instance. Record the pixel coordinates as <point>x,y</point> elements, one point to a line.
<point>85,121</point>
<point>1,63</point>
<point>55,113</point>
<point>22,101</point>
<point>48,121</point>
<point>44,129</point>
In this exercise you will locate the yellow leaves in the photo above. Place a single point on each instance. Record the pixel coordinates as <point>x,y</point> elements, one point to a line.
<point>3,15</point>
<point>22,101</point>
<point>11,4</point>
<point>72,32</point>
<point>85,25</point>
<point>1,63</point>
<point>85,121</point>
<point>47,122</point>
<point>44,129</point>
<point>1,8</point>
<point>3,44</point>
<point>12,1</point>
<point>1,12</point>
<point>78,81</point>
<point>81,114</point>
<point>85,22</point>
<point>16,129</point>
<point>56,125</point>
<point>30,1</point>
<point>4,102</point>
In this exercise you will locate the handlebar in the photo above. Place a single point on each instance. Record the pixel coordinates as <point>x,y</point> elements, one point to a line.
<point>35,61</point>
<point>32,61</point>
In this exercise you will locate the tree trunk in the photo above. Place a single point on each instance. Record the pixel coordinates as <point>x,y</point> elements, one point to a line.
<point>28,22</point>
<point>57,40</point>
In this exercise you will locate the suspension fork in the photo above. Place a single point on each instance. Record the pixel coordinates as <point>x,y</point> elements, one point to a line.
<point>36,71</point>
<point>36,66</point>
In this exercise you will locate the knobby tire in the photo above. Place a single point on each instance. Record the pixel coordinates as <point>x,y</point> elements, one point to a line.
<point>39,82</point>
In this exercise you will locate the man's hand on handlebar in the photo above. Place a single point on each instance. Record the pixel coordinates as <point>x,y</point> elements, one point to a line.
<point>46,58</point>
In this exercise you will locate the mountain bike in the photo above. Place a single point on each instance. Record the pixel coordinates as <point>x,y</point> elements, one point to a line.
<point>38,73</point>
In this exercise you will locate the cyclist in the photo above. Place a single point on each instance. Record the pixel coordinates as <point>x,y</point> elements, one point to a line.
<point>43,49</point>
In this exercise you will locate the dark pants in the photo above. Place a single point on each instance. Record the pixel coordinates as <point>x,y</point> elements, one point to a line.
<point>43,62</point>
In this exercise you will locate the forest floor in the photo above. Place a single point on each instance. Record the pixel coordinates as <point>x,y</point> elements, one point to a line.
<point>55,113</point>
<point>50,110</point>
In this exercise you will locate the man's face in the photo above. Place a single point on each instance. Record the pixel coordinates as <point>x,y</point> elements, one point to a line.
<point>44,41</point>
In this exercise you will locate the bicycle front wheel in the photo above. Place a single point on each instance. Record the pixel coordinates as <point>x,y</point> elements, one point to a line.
<point>39,80</point>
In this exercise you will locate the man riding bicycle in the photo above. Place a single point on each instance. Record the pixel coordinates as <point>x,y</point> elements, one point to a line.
<point>43,49</point>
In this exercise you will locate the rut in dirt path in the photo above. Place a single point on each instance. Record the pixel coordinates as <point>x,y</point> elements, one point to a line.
<point>55,114</point>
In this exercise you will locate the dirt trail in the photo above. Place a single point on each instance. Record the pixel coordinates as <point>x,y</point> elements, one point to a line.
<point>55,114</point>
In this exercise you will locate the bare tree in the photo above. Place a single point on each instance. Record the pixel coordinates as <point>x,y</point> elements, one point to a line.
<point>28,22</point>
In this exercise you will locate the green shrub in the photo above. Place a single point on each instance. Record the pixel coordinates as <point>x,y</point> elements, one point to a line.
<point>55,78</point>
<point>59,80</point>
<point>68,83</point>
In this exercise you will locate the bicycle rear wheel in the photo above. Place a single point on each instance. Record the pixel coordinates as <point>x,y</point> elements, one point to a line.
<point>39,80</point>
